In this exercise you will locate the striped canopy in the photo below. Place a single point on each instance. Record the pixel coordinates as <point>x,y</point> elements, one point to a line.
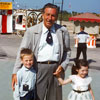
<point>87,17</point>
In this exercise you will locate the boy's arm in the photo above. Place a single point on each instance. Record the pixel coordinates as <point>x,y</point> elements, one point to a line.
<point>16,93</point>
<point>17,88</point>
<point>14,81</point>
<point>91,92</point>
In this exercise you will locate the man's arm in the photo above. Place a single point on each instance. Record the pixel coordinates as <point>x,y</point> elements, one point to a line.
<point>66,49</point>
<point>66,53</point>
<point>24,44</point>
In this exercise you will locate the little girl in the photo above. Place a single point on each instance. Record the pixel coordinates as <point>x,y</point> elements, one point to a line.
<point>80,81</point>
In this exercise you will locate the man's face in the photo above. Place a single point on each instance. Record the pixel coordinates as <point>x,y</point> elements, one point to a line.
<point>49,16</point>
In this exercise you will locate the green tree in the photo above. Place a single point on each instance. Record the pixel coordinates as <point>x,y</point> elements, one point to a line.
<point>64,15</point>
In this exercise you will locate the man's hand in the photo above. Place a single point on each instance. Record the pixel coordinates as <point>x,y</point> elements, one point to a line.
<point>58,71</point>
<point>14,81</point>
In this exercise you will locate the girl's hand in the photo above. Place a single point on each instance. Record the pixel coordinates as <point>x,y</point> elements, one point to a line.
<point>56,74</point>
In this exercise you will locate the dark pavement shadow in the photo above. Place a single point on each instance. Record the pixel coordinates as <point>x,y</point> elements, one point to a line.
<point>72,59</point>
<point>91,61</point>
<point>98,43</point>
<point>2,54</point>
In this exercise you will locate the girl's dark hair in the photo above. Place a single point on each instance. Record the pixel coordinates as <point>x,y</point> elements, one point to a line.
<point>50,5</point>
<point>78,65</point>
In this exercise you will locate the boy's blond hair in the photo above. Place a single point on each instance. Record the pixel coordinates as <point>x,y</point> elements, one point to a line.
<point>24,52</point>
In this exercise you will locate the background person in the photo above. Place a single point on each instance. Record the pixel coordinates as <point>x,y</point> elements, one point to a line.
<point>80,81</point>
<point>81,39</point>
<point>26,77</point>
<point>50,43</point>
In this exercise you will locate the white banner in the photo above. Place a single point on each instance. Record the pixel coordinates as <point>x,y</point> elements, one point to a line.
<point>0,23</point>
<point>9,24</point>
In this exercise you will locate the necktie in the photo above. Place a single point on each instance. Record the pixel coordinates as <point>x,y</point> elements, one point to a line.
<point>49,38</point>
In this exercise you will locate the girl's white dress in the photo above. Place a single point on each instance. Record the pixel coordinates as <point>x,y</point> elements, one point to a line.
<point>80,84</point>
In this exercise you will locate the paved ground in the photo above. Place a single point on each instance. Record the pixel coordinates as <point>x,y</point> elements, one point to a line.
<point>8,50</point>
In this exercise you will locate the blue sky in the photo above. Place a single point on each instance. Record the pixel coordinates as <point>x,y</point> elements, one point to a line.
<point>69,5</point>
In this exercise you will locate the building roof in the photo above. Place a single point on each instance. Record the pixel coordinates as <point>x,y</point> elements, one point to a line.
<point>85,17</point>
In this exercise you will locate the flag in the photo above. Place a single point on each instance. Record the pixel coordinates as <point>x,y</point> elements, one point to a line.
<point>69,5</point>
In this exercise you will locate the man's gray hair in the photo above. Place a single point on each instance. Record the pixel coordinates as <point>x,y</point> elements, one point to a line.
<point>50,5</point>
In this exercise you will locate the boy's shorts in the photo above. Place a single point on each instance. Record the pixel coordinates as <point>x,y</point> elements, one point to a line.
<point>29,96</point>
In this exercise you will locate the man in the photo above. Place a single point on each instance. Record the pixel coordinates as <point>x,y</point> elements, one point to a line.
<point>50,43</point>
<point>81,39</point>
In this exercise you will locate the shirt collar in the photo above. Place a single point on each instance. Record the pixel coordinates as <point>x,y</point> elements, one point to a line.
<point>45,30</point>
<point>26,69</point>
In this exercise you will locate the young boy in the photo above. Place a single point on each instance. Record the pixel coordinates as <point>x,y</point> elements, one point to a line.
<point>26,77</point>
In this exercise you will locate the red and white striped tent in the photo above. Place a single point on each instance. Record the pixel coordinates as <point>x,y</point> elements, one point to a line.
<point>86,17</point>
<point>91,23</point>
<point>6,18</point>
